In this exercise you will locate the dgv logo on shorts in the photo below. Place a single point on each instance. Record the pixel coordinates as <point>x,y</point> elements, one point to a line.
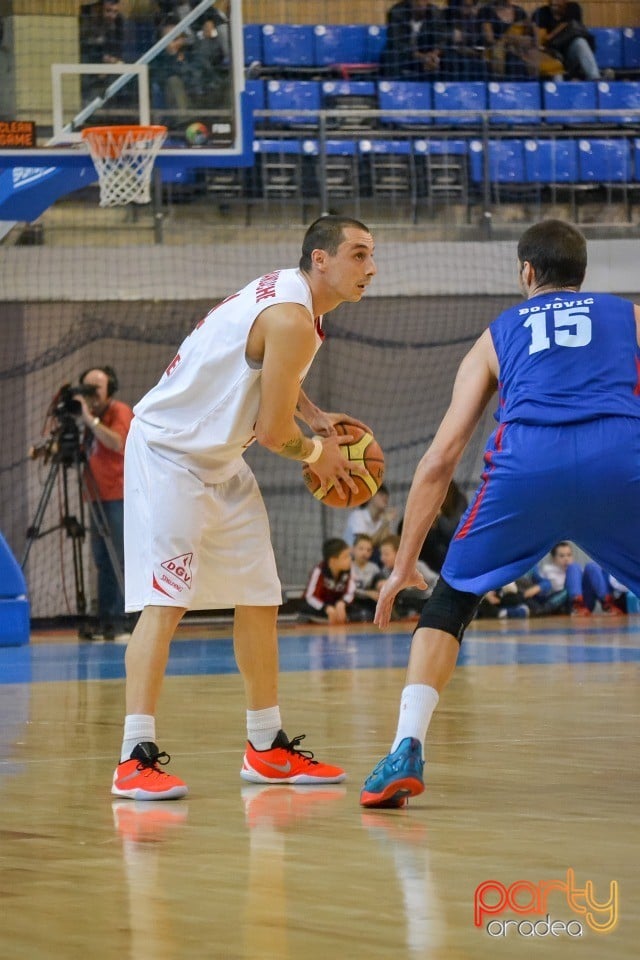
<point>179,568</point>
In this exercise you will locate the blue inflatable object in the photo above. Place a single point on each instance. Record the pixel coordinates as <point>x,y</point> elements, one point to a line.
<point>14,606</point>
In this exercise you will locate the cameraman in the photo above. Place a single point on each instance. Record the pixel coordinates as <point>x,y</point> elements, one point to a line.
<point>106,423</point>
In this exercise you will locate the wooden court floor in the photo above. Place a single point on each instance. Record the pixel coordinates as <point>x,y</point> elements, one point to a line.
<point>533,775</point>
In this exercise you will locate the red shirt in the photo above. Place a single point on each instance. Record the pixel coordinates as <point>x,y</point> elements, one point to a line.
<point>324,590</point>
<point>107,466</point>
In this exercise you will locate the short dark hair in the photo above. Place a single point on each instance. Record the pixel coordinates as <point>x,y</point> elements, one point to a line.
<point>326,233</point>
<point>561,543</point>
<point>393,540</point>
<point>359,537</point>
<point>333,547</point>
<point>557,251</point>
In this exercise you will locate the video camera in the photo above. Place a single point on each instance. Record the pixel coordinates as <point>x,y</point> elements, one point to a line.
<point>65,404</point>
<point>63,443</point>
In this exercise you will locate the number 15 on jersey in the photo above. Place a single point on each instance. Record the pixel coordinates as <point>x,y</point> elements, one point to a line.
<point>568,327</point>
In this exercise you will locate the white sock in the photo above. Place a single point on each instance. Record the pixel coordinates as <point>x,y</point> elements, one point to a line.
<point>138,728</point>
<point>263,726</point>
<point>417,704</point>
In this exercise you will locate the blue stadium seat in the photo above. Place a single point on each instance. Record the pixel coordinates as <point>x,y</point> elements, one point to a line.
<point>341,174</point>
<point>287,45</point>
<point>442,170</point>
<point>435,148</point>
<point>284,175</point>
<point>506,161</point>
<point>459,95</point>
<point>376,41</point>
<point>340,43</point>
<point>620,95</point>
<point>631,48</point>
<point>404,95</point>
<point>294,95</point>
<point>513,97</point>
<point>551,161</point>
<point>267,145</point>
<point>608,47</point>
<point>355,89</point>
<point>385,147</point>
<point>254,89</point>
<point>604,161</point>
<point>605,164</point>
<point>391,171</point>
<point>252,34</point>
<point>570,96</point>
<point>633,188</point>
<point>349,96</point>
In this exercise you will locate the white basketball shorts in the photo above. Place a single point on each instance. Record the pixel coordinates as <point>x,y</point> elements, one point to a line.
<point>191,544</point>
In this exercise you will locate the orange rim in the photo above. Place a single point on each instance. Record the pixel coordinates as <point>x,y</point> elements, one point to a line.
<point>110,141</point>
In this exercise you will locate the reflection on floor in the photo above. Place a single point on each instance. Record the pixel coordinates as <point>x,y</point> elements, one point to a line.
<point>533,775</point>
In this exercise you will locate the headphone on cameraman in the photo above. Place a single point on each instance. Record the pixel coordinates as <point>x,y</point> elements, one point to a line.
<point>112,378</point>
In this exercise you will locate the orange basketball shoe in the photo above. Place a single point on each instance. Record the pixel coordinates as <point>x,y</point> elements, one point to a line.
<point>284,763</point>
<point>140,777</point>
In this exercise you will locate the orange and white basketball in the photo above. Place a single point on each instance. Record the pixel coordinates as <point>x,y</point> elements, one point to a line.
<point>363,450</point>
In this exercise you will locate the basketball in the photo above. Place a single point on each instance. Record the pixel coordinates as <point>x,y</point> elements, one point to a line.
<point>196,134</point>
<point>363,449</point>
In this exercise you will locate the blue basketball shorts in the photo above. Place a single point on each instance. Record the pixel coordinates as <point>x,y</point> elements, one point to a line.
<point>542,484</point>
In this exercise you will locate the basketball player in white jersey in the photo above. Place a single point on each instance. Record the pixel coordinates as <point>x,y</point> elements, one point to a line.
<point>196,529</point>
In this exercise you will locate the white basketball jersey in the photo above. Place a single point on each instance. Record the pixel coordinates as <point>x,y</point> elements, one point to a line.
<point>203,411</point>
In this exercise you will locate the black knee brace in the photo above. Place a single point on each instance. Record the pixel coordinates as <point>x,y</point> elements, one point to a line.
<point>449,609</point>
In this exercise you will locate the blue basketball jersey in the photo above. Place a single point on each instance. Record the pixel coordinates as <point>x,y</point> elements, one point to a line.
<point>566,358</point>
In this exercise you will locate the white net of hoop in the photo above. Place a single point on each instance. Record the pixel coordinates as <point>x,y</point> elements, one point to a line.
<point>123,158</point>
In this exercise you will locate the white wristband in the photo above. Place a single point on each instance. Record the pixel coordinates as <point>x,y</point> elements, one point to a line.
<point>316,453</point>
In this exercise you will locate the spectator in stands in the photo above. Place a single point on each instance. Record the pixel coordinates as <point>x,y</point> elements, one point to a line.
<point>209,85</point>
<point>189,76</point>
<point>170,74</point>
<point>376,518</point>
<point>142,18</point>
<point>365,573</point>
<point>563,33</point>
<point>436,544</point>
<point>507,603</point>
<point>408,602</point>
<point>331,588</point>
<point>106,426</point>
<point>415,38</point>
<point>509,39</point>
<point>539,596</point>
<point>102,33</point>
<point>463,56</point>
<point>601,587</point>
<point>564,577</point>
<point>219,15</point>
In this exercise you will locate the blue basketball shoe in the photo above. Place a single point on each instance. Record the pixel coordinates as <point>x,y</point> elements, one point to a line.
<point>397,777</point>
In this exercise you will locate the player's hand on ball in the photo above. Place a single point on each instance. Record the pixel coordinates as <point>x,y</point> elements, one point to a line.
<point>364,462</point>
<point>332,469</point>
<point>348,421</point>
<point>324,424</point>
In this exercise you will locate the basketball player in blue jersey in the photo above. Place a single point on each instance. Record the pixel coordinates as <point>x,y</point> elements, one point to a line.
<point>563,464</point>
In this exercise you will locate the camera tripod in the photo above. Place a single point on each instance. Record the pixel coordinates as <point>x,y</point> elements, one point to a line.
<point>68,455</point>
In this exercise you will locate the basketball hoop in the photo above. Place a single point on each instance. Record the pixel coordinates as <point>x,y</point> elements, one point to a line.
<point>123,157</point>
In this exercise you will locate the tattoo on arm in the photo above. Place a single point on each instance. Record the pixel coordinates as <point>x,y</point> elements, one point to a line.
<point>293,449</point>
